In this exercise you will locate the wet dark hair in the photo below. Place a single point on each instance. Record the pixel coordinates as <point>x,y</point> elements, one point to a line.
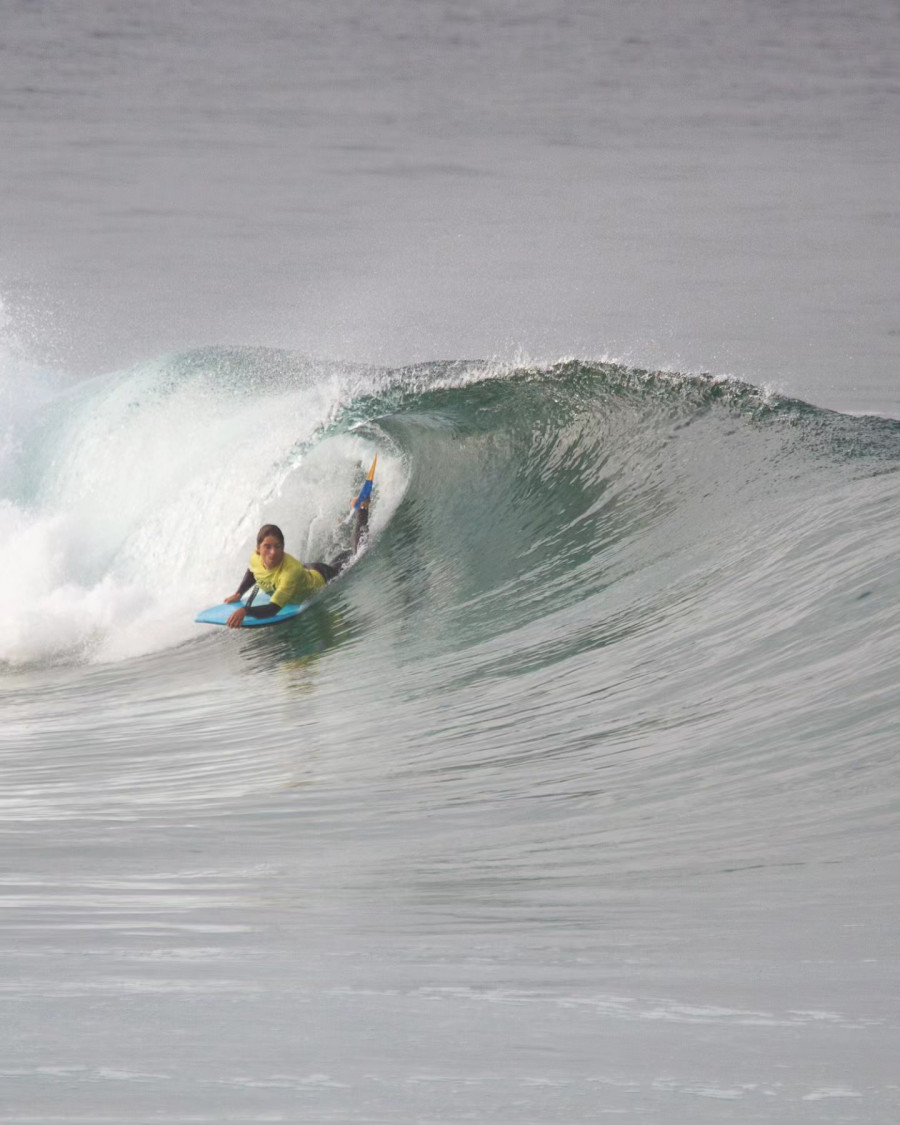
<point>270,529</point>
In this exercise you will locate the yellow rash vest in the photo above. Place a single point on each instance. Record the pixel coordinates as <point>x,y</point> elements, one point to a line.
<point>290,583</point>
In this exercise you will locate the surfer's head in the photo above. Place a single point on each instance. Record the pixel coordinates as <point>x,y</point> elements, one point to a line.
<point>270,529</point>
<point>270,545</point>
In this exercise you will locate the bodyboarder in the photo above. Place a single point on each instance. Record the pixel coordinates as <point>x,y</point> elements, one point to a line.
<point>285,579</point>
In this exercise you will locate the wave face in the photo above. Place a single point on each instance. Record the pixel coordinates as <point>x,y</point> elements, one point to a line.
<point>622,646</point>
<point>631,556</point>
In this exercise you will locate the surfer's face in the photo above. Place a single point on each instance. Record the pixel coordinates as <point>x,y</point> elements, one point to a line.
<point>271,552</point>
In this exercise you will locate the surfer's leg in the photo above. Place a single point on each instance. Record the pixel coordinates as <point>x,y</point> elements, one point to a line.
<point>327,570</point>
<point>333,569</point>
<point>360,527</point>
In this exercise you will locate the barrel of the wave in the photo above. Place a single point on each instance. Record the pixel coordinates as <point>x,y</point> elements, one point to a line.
<point>219,614</point>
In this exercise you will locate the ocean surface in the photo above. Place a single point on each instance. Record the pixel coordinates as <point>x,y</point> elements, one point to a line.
<point>575,797</point>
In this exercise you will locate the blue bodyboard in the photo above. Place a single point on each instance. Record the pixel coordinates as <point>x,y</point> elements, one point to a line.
<point>219,614</point>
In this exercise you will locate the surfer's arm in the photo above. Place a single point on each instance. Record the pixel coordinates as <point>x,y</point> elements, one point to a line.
<point>237,618</point>
<point>246,582</point>
<point>268,610</point>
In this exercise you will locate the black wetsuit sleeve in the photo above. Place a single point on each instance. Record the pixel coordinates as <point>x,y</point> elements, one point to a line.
<point>246,582</point>
<point>263,610</point>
